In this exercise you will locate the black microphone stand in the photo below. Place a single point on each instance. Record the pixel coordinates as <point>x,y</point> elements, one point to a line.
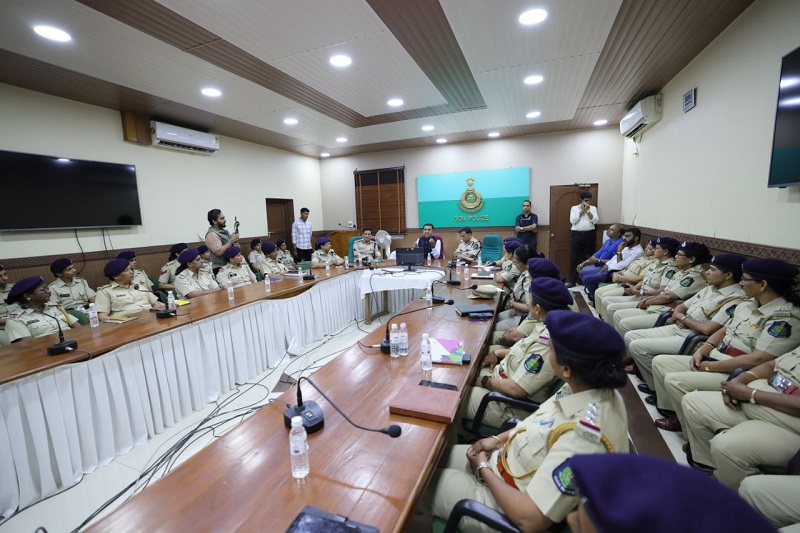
<point>385,343</point>
<point>62,346</point>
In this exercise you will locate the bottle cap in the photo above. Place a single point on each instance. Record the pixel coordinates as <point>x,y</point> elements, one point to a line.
<point>394,326</point>
<point>424,335</point>
<point>402,324</point>
<point>297,422</point>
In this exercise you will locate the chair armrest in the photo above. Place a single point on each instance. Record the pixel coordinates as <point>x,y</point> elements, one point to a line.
<point>662,318</point>
<point>690,343</point>
<point>481,513</point>
<point>502,398</point>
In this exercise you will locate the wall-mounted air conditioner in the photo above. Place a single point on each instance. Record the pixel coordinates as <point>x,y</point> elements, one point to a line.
<point>183,139</point>
<point>643,115</point>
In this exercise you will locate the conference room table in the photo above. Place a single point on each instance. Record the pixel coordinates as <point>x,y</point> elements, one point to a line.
<point>243,481</point>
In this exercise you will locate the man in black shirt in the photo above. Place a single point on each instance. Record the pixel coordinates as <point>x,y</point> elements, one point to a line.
<point>526,225</point>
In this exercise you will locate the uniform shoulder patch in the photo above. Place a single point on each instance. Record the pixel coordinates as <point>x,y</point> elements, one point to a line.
<point>669,273</point>
<point>564,479</point>
<point>780,329</point>
<point>730,310</point>
<point>534,363</point>
<point>687,281</point>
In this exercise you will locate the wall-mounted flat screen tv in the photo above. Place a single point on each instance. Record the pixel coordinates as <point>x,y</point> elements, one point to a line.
<point>784,170</point>
<point>42,192</point>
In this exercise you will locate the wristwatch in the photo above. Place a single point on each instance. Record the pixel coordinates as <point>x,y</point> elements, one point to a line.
<point>753,396</point>
<point>485,381</point>
<point>478,468</point>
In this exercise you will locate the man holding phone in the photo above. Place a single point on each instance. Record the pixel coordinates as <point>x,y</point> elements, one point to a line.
<point>583,218</point>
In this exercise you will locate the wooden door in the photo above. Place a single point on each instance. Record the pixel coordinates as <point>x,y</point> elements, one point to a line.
<point>562,198</point>
<point>280,215</point>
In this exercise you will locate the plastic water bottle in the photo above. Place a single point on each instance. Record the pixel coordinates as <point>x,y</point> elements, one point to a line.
<point>479,259</point>
<point>230,291</point>
<point>458,267</point>
<point>425,353</point>
<point>403,349</point>
<point>170,301</point>
<point>267,284</point>
<point>94,321</point>
<point>298,449</point>
<point>394,341</point>
<point>346,263</point>
<point>429,294</point>
<point>430,259</point>
<point>300,274</point>
<point>327,269</point>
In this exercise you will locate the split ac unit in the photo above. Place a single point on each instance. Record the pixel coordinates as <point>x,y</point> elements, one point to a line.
<point>643,115</point>
<point>183,139</point>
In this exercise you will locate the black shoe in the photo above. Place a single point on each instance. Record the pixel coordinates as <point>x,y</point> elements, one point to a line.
<point>665,412</point>
<point>571,284</point>
<point>694,464</point>
<point>651,399</point>
<point>645,389</point>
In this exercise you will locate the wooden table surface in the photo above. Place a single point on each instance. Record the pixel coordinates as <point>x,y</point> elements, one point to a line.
<point>243,480</point>
<point>29,356</point>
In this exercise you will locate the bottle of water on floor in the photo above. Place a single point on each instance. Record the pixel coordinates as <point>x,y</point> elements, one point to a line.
<point>298,449</point>
<point>94,320</point>
<point>403,340</point>
<point>425,353</point>
<point>394,341</point>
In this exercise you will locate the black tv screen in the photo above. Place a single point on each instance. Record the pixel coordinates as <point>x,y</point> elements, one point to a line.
<point>45,192</point>
<point>784,169</point>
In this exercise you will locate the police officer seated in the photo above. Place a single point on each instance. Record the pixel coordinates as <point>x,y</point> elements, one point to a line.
<point>38,317</point>
<point>68,290</point>
<point>235,272</point>
<point>192,280</point>
<point>120,298</point>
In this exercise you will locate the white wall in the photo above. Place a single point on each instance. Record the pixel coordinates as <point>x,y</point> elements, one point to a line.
<point>555,159</point>
<point>176,189</point>
<point>705,172</point>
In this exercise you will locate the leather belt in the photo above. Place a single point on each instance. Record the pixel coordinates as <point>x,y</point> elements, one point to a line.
<point>504,473</point>
<point>727,349</point>
<point>783,385</point>
<point>502,374</point>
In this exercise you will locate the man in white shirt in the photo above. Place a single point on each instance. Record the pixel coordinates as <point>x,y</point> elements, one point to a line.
<point>583,218</point>
<point>301,236</point>
<point>629,250</point>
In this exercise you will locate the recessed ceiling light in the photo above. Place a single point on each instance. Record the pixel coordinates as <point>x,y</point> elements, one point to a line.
<point>601,122</point>
<point>494,134</point>
<point>324,154</point>
<point>54,34</point>
<point>341,139</point>
<point>395,102</point>
<point>534,114</point>
<point>212,92</point>
<point>441,140</point>
<point>533,80</point>
<point>790,102</point>
<point>63,160</point>
<point>427,127</point>
<point>532,16</point>
<point>290,121</point>
<point>340,60</point>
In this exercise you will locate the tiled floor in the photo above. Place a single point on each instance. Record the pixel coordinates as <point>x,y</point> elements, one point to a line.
<point>67,510</point>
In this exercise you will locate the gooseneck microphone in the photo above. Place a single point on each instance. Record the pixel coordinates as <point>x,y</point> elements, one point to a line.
<point>314,420</point>
<point>62,346</point>
<point>385,343</point>
<point>440,299</point>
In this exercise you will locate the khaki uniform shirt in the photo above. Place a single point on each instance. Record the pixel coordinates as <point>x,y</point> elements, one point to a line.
<point>115,299</point>
<point>7,310</point>
<point>717,305</point>
<point>257,258</point>
<point>273,267</point>
<point>551,486</point>
<point>322,258</point>
<point>468,250</point>
<point>788,366</point>
<point>638,267</point>
<point>70,296</point>
<point>31,323</point>
<point>285,258</point>
<point>168,271</point>
<point>241,275</point>
<point>140,278</point>
<point>658,273</point>
<point>510,272</point>
<point>362,249</point>
<point>187,282</point>
<point>528,364</point>
<point>683,283</point>
<point>521,288</point>
<point>773,328</point>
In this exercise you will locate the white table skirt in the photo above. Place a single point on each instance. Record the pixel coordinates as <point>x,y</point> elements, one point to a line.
<point>391,279</point>
<point>59,424</point>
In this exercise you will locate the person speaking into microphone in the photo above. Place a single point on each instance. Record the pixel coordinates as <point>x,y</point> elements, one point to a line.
<point>39,317</point>
<point>121,296</point>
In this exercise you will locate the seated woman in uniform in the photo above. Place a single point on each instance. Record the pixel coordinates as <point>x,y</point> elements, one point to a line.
<point>205,256</point>
<point>68,290</point>
<point>236,272</point>
<point>140,277</point>
<point>629,277</point>
<point>524,370</point>
<point>191,281</point>
<point>256,257</point>
<point>284,256</point>
<point>5,310</point>
<point>166,279</point>
<point>120,298</point>
<point>272,266</point>
<point>508,276</point>
<point>38,317</point>
<point>517,302</point>
<point>324,254</point>
<point>520,472</point>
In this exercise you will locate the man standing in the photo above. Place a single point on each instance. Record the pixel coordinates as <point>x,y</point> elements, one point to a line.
<point>526,225</point>
<point>627,252</point>
<point>429,244</point>
<point>218,239</point>
<point>301,236</point>
<point>583,218</point>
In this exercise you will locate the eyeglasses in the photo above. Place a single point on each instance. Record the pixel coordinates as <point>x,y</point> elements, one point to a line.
<point>680,254</point>
<point>747,280</point>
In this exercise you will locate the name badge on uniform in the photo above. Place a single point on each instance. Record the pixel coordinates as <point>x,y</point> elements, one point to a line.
<point>63,295</point>
<point>782,313</point>
<point>544,339</point>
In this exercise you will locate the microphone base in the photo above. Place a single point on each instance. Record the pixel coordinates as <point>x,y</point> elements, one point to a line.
<point>386,346</point>
<point>438,299</point>
<point>453,282</point>
<point>310,412</point>
<point>166,313</point>
<point>62,347</point>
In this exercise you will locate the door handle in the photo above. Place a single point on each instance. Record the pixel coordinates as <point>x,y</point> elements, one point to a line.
<point>552,234</point>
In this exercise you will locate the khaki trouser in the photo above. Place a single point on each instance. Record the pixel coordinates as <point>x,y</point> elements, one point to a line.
<point>614,304</point>
<point>673,379</point>
<point>603,293</point>
<point>626,320</point>
<point>645,344</point>
<point>776,497</point>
